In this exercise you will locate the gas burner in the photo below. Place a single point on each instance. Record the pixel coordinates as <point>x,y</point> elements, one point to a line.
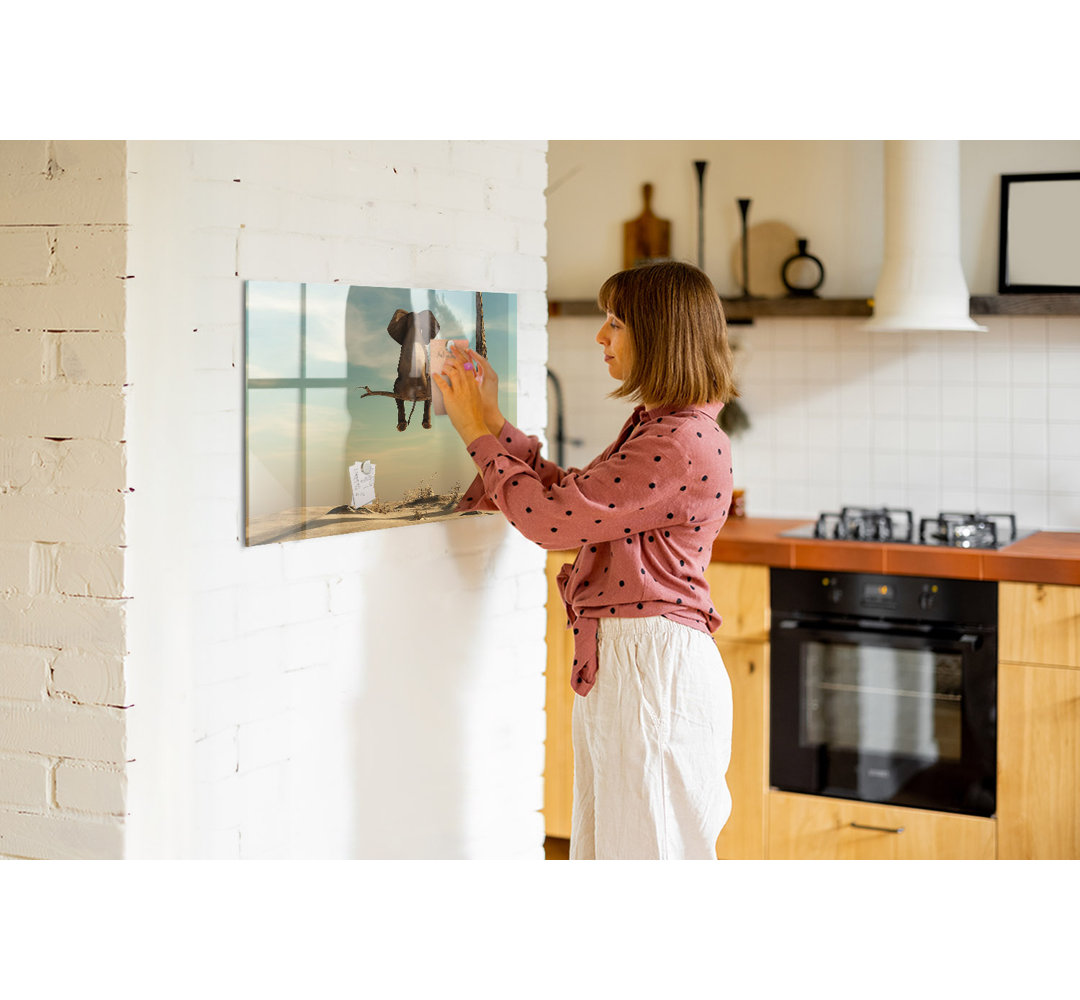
<point>869,524</point>
<point>896,525</point>
<point>968,531</point>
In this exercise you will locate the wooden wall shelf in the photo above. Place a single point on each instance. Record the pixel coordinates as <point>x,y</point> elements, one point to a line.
<point>746,310</point>
<point>1026,305</point>
<point>743,309</point>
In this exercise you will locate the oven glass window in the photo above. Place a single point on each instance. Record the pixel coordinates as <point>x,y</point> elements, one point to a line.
<point>882,700</point>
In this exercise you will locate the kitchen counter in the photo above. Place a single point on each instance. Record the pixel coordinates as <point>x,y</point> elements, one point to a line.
<point>1043,557</point>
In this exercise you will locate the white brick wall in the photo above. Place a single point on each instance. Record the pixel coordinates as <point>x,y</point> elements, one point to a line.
<point>62,494</point>
<point>262,702</point>
<point>369,695</point>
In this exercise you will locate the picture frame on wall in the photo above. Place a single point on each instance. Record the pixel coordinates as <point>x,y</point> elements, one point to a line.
<point>344,430</point>
<point>1039,252</point>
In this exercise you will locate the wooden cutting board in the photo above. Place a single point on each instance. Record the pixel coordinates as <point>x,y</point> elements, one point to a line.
<point>647,237</point>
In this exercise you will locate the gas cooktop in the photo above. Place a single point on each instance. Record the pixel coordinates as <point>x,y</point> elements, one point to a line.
<point>897,525</point>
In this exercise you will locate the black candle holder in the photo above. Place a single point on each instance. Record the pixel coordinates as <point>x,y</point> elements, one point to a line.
<point>744,208</point>
<point>798,288</point>
<point>700,166</point>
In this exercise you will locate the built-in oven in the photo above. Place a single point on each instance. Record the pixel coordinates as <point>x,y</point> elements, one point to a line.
<point>884,689</point>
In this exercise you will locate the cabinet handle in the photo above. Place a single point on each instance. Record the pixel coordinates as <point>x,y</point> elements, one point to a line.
<point>879,829</point>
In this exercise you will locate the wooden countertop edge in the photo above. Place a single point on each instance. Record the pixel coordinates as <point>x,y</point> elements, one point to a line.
<point>1045,557</point>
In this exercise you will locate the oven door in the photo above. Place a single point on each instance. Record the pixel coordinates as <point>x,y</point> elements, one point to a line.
<point>883,713</point>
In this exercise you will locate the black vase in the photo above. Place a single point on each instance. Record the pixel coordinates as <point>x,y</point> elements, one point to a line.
<point>798,273</point>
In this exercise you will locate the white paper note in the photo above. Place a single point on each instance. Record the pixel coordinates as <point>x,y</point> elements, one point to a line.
<point>362,477</point>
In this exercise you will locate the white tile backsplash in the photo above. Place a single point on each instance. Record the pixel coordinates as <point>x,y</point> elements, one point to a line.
<point>1030,474</point>
<point>1028,402</point>
<point>957,402</point>
<point>888,400</point>
<point>923,400</point>
<point>1064,440</point>
<point>1027,367</point>
<point>1029,438</point>
<point>992,365</point>
<point>932,421</point>
<point>1063,402</point>
<point>923,436</point>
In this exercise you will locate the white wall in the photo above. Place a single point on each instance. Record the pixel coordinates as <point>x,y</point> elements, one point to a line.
<point>930,421</point>
<point>374,695</point>
<point>62,499</point>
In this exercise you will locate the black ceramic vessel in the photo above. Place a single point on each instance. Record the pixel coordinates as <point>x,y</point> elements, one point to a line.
<point>802,273</point>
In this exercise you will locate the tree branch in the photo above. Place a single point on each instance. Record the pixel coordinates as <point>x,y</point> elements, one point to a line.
<point>368,391</point>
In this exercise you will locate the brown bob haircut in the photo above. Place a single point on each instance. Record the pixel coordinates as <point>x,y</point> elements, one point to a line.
<point>678,334</point>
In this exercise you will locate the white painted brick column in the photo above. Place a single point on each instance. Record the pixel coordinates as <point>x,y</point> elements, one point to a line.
<point>370,695</point>
<point>62,497</point>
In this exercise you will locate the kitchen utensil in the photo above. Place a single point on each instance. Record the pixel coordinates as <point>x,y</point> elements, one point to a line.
<point>647,237</point>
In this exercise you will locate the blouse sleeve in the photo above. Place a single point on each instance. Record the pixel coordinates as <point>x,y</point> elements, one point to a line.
<point>521,446</point>
<point>646,482</point>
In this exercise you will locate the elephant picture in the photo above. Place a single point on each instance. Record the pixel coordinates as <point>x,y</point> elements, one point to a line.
<point>414,331</point>
<point>320,360</point>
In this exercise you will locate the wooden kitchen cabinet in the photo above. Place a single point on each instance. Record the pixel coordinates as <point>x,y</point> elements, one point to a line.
<point>1038,793</point>
<point>816,828</point>
<point>741,595</point>
<point>743,836</point>
<point>1039,623</point>
<point>559,704</point>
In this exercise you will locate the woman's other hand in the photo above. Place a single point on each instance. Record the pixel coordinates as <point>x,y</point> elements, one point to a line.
<point>463,394</point>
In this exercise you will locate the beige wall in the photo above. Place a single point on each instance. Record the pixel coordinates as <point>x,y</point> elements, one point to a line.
<point>831,192</point>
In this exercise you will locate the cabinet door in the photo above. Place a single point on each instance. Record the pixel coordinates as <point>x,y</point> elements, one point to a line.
<point>1039,623</point>
<point>558,750</point>
<point>1038,794</point>
<point>815,828</point>
<point>743,836</point>
<point>740,595</point>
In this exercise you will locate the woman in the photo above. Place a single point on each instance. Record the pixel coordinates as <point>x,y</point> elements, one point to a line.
<point>652,730</point>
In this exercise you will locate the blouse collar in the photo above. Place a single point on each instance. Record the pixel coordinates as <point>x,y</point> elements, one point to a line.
<point>711,410</point>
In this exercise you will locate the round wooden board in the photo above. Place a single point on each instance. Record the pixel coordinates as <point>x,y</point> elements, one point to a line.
<point>771,243</point>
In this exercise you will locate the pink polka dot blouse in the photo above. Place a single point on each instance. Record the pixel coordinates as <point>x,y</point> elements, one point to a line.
<point>644,515</point>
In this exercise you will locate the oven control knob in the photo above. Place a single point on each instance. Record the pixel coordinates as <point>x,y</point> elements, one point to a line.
<point>928,596</point>
<point>835,594</point>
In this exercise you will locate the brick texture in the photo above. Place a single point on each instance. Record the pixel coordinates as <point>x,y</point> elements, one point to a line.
<point>62,493</point>
<point>288,699</point>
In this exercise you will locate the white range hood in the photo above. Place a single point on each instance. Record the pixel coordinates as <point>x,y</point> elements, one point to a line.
<point>922,286</point>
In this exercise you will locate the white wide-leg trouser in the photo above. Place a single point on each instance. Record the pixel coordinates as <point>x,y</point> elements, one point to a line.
<point>652,741</point>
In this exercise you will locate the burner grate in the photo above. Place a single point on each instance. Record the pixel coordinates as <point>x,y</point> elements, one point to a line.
<point>952,529</point>
<point>968,530</point>
<point>871,524</point>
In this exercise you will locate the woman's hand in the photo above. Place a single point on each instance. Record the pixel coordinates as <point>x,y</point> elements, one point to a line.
<point>489,392</point>
<point>463,394</point>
